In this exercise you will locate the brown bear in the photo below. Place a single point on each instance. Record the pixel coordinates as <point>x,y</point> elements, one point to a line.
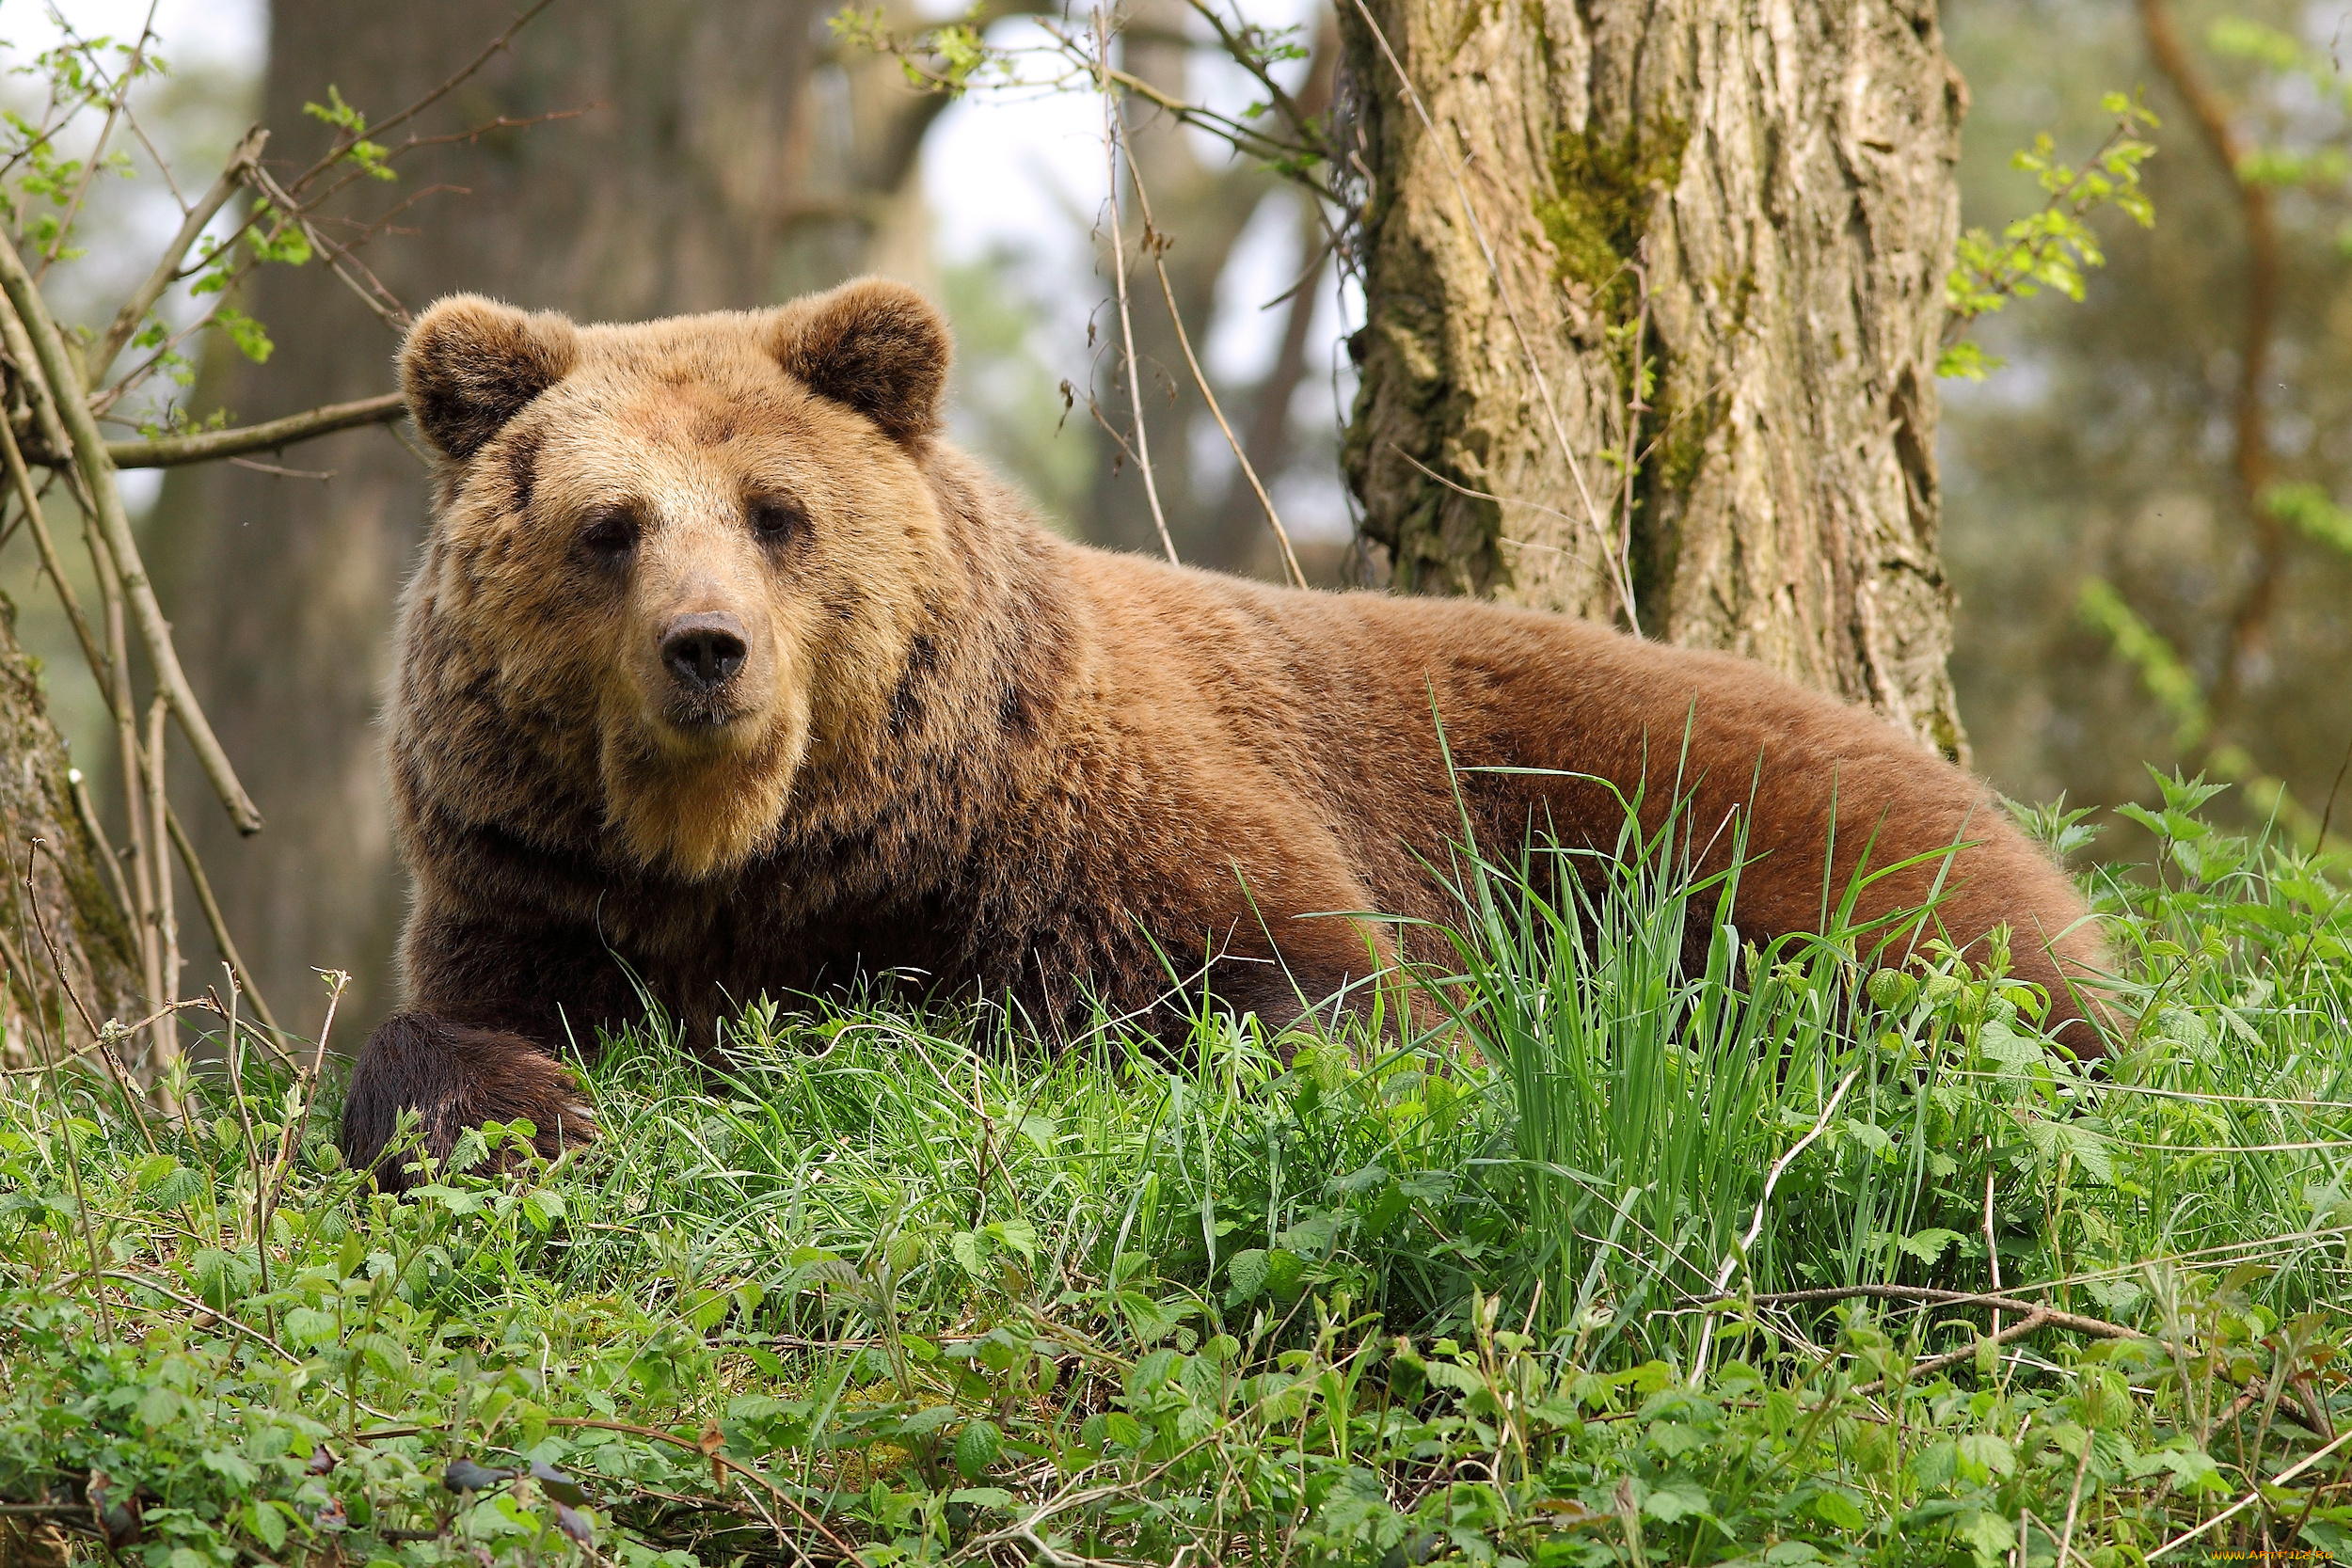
<point>720,664</point>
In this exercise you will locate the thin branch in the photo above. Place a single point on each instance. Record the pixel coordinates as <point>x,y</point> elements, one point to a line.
<point>56,965</point>
<point>1733,1256</point>
<point>213,917</point>
<point>2252,1498</point>
<point>90,460</point>
<point>1920,1295</point>
<point>490,51</point>
<point>1156,244</point>
<point>88,810</point>
<point>21,478</point>
<point>306,1083</point>
<point>126,322</point>
<point>117,99</point>
<point>1112,141</point>
<point>173,451</point>
<point>718,1462</point>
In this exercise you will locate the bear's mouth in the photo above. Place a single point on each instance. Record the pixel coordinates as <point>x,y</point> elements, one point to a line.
<point>706,720</point>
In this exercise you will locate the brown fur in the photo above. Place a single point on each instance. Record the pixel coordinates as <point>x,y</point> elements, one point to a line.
<point>960,746</point>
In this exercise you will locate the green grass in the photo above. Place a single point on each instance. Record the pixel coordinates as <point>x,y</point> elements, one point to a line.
<point>1511,1290</point>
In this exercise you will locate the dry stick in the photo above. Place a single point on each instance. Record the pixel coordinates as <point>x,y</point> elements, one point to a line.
<point>97,471</point>
<point>1992,1257</point>
<point>1157,244</point>
<point>306,1083</point>
<point>1756,1229</point>
<point>213,918</point>
<point>1619,579</point>
<point>718,1460</point>
<point>22,478</point>
<point>126,322</point>
<point>2074,1501</point>
<point>56,963</point>
<point>133,777</point>
<point>1922,1296</point>
<point>1112,140</point>
<point>167,920</point>
<point>2252,1498</point>
<point>171,452</point>
<point>102,667</point>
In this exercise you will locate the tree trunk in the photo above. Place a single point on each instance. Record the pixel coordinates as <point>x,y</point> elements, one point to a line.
<point>71,906</point>
<point>673,192</point>
<point>1759,198</point>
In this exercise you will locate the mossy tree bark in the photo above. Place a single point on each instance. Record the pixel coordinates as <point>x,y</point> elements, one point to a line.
<point>71,930</point>
<point>1760,197</point>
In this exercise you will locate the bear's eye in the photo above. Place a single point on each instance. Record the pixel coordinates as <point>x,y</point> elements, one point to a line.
<point>608,533</point>
<point>775,520</point>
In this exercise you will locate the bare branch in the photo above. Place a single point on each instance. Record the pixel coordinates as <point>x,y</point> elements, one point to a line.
<point>213,918</point>
<point>1112,141</point>
<point>490,51</point>
<point>1157,244</point>
<point>90,460</point>
<point>174,452</point>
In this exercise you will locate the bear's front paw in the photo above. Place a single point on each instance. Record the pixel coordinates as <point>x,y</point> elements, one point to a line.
<point>455,1077</point>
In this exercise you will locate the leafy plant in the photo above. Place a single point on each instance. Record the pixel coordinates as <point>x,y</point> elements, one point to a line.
<point>901,1285</point>
<point>2053,246</point>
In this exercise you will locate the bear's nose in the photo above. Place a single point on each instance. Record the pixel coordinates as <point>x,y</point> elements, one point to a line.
<point>703,652</point>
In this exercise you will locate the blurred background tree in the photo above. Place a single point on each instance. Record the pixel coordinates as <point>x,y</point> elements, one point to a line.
<point>2117,448</point>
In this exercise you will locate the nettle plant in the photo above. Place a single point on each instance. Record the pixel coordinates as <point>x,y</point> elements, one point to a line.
<point>82,406</point>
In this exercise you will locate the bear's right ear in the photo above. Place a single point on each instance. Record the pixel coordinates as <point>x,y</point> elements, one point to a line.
<point>470,364</point>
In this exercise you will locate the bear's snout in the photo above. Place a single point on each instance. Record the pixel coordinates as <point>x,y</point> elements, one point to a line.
<point>703,652</point>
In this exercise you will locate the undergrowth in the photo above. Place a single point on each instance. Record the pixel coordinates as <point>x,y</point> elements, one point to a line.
<point>1793,1258</point>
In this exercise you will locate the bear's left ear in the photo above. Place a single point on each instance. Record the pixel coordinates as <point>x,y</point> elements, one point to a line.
<point>470,364</point>
<point>876,345</point>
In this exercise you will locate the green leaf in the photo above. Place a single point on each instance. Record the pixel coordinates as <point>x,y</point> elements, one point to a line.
<point>1247,1272</point>
<point>1835,1508</point>
<point>1989,1536</point>
<point>977,1447</point>
<point>1967,361</point>
<point>267,1523</point>
<point>1675,1501</point>
<point>246,333</point>
<point>1019,1235</point>
<point>1985,1453</point>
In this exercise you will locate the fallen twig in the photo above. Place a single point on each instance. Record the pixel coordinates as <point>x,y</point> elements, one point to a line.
<point>718,1462</point>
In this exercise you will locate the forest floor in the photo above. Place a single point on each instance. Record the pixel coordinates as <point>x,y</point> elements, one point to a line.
<point>1792,1261</point>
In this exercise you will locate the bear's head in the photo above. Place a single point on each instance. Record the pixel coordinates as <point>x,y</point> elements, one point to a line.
<point>688,558</point>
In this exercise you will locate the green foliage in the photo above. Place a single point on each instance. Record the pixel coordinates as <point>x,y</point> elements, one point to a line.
<point>2312,511</point>
<point>2172,682</point>
<point>352,147</point>
<point>2054,245</point>
<point>1515,1290</point>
